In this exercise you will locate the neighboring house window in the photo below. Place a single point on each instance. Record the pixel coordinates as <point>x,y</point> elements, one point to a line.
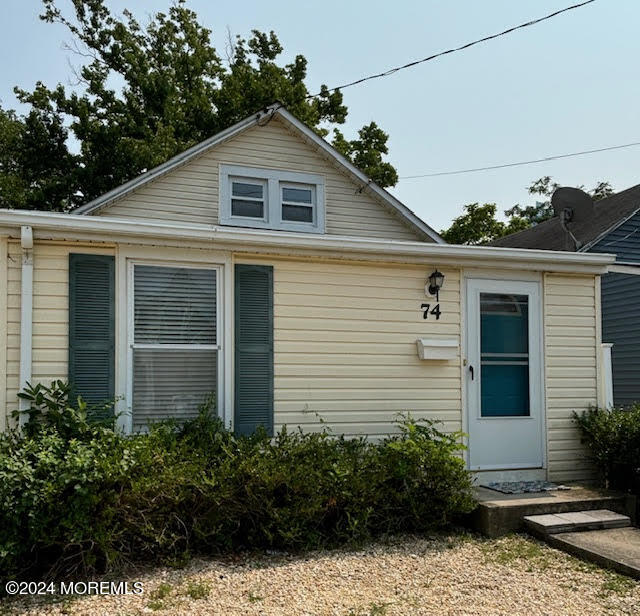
<point>174,342</point>
<point>271,199</point>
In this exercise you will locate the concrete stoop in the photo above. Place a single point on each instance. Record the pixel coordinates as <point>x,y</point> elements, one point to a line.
<point>601,536</point>
<point>592,524</point>
<point>498,514</point>
<point>574,521</point>
<point>615,548</point>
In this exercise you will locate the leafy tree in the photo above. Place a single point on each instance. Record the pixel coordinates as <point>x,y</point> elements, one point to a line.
<point>366,153</point>
<point>36,168</point>
<point>146,93</point>
<point>478,224</point>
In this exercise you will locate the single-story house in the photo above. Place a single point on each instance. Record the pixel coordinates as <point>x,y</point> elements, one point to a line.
<point>611,225</point>
<point>263,267</point>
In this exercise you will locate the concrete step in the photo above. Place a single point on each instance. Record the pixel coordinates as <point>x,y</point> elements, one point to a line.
<point>575,521</point>
<point>498,514</point>
<point>616,548</point>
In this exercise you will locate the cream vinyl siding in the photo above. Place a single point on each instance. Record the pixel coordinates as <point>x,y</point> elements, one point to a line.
<point>345,346</point>
<point>571,369</point>
<point>14,265</point>
<point>4,262</point>
<point>50,312</point>
<point>189,194</point>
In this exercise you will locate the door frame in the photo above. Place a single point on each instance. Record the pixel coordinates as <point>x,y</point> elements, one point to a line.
<point>514,473</point>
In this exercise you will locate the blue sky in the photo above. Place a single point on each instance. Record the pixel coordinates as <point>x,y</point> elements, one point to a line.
<point>565,85</point>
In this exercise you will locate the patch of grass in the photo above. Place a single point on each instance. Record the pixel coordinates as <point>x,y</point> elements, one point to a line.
<point>616,584</point>
<point>158,596</point>
<point>254,597</point>
<point>197,590</point>
<point>156,604</point>
<point>515,548</point>
<point>162,591</point>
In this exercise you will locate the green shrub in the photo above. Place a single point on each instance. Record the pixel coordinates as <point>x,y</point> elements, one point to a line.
<point>613,437</point>
<point>80,498</point>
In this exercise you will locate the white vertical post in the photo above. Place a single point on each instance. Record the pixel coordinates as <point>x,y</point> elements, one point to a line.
<point>607,371</point>
<point>26,314</point>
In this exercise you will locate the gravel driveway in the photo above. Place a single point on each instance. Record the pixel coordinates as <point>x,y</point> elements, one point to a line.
<point>451,574</point>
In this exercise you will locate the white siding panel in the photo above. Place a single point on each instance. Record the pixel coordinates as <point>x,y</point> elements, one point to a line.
<point>4,337</point>
<point>345,347</point>
<point>190,193</point>
<point>14,273</point>
<point>50,313</point>
<point>571,370</point>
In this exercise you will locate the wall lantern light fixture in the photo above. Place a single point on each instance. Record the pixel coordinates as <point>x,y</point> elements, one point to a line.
<point>436,280</point>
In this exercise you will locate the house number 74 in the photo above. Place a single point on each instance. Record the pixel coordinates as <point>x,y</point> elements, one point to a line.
<point>427,310</point>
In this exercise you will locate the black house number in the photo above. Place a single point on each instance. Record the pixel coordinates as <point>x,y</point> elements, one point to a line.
<point>427,310</point>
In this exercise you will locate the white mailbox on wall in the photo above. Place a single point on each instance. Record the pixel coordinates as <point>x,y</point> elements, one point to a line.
<point>438,349</point>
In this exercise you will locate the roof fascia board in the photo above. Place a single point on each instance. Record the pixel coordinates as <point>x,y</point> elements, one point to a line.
<point>109,229</point>
<point>625,269</point>
<point>611,229</point>
<point>120,191</point>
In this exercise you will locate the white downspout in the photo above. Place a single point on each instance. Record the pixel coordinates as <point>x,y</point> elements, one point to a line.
<point>607,371</point>
<point>26,315</point>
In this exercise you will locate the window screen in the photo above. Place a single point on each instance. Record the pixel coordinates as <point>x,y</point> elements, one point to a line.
<point>297,203</point>
<point>248,198</point>
<point>175,350</point>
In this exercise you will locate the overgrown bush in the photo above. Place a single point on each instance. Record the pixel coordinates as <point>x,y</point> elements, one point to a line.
<point>613,437</point>
<point>78,498</point>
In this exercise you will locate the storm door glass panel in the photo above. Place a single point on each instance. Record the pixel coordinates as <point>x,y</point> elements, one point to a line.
<point>504,355</point>
<point>175,350</point>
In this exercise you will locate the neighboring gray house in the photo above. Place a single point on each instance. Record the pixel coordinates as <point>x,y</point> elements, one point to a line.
<point>611,225</point>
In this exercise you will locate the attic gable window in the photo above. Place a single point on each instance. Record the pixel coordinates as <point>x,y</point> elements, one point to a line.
<point>271,199</point>
<point>248,198</point>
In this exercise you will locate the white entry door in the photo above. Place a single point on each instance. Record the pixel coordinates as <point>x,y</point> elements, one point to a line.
<point>504,375</point>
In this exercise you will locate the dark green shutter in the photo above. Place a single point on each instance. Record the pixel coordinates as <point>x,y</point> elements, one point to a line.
<point>253,348</point>
<point>92,327</point>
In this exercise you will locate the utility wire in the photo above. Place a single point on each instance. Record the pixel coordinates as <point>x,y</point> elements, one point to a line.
<point>391,71</point>
<point>521,163</point>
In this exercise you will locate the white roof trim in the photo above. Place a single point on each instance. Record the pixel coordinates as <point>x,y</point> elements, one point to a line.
<point>120,191</point>
<point>62,226</point>
<point>405,213</point>
<point>611,229</point>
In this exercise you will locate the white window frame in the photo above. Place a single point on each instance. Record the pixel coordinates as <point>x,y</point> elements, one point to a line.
<point>131,345</point>
<point>276,179</point>
<point>264,200</point>
<point>312,206</point>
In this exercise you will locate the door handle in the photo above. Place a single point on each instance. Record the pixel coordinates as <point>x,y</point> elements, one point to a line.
<point>471,370</point>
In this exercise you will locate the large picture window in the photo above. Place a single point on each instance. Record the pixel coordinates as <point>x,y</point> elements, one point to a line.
<point>174,342</point>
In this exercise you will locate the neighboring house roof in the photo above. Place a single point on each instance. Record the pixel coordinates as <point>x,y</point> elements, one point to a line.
<point>608,214</point>
<point>410,218</point>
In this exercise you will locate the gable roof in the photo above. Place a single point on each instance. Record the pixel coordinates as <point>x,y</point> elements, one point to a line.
<point>608,214</point>
<point>396,206</point>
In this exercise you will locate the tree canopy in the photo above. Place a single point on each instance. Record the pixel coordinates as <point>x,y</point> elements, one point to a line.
<point>478,223</point>
<point>145,93</point>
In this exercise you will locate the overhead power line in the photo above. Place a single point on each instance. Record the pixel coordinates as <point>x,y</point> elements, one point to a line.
<point>520,163</point>
<point>391,71</point>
